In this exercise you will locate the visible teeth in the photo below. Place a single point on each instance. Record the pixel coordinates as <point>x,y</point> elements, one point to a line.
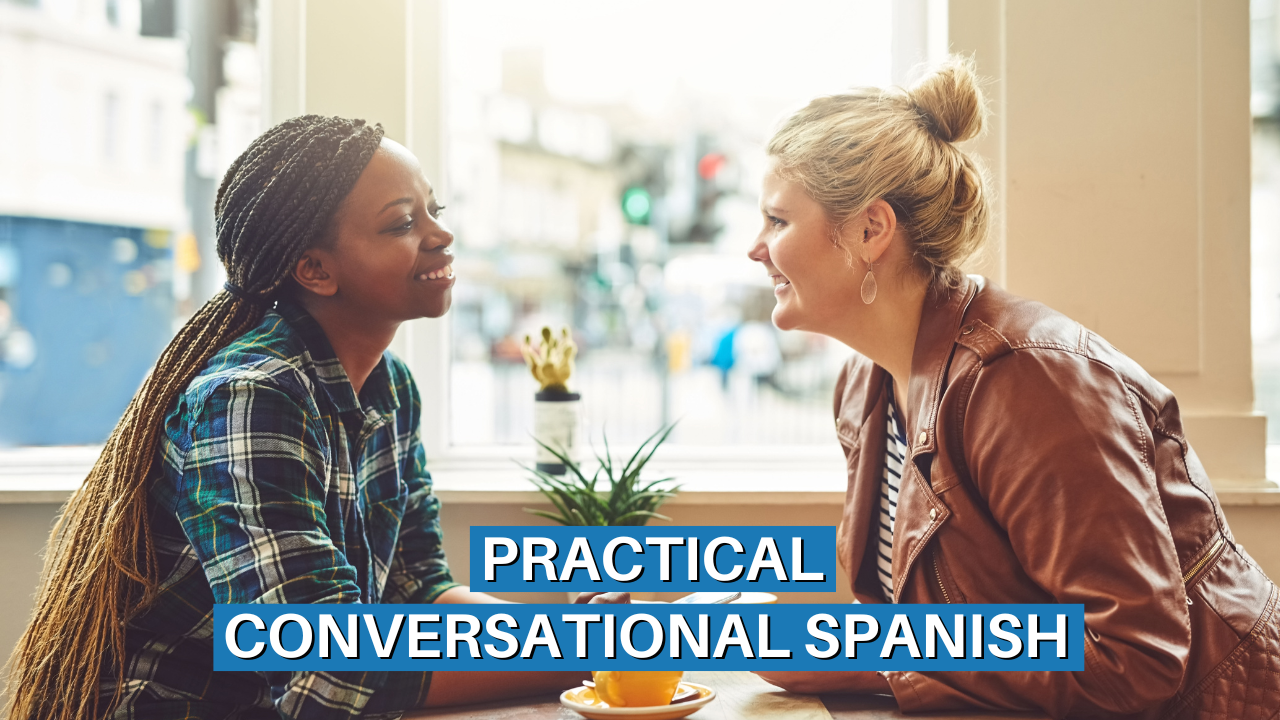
<point>444,272</point>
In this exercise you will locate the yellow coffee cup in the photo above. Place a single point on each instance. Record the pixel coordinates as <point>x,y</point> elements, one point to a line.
<point>636,688</point>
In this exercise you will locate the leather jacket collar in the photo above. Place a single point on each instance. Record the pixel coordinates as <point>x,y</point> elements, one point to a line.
<point>940,320</point>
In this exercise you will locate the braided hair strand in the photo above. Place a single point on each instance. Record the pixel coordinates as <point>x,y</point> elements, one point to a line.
<point>276,200</point>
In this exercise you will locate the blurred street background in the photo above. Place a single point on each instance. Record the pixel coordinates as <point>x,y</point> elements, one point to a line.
<point>605,162</point>
<point>601,172</point>
<point>602,169</point>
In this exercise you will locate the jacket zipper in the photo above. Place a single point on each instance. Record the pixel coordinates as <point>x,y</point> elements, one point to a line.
<point>1202,562</point>
<point>938,574</point>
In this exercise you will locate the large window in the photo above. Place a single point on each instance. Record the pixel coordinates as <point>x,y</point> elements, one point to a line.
<point>1265,104</point>
<point>604,162</point>
<point>602,165</point>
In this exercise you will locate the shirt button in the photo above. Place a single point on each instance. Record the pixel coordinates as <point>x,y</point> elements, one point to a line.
<point>933,514</point>
<point>922,438</point>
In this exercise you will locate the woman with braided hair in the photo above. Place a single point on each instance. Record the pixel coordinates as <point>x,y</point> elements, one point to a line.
<point>272,455</point>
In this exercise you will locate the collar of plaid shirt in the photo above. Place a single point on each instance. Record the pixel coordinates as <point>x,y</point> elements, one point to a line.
<point>379,392</point>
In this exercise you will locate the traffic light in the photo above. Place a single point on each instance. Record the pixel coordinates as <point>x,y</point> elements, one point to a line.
<point>637,205</point>
<point>643,179</point>
<point>710,165</point>
<point>706,225</point>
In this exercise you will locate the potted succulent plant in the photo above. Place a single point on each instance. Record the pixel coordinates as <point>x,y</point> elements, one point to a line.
<point>613,495</point>
<point>555,408</point>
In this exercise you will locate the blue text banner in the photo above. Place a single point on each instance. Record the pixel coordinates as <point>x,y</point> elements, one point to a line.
<point>677,558</point>
<point>648,637</point>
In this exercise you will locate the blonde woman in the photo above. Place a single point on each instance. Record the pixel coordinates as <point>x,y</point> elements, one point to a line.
<point>998,452</point>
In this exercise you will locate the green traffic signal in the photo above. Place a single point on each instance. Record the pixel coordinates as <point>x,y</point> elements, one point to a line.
<point>637,205</point>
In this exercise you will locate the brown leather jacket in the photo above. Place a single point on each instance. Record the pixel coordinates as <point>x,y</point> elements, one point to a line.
<point>1045,466</point>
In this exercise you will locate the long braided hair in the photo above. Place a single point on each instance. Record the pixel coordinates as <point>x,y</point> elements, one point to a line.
<point>276,200</point>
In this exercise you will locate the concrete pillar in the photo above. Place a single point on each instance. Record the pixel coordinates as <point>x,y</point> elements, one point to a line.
<point>1120,150</point>
<point>381,61</point>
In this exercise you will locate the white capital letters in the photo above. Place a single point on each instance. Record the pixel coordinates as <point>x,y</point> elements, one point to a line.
<point>234,626</point>
<point>492,561</point>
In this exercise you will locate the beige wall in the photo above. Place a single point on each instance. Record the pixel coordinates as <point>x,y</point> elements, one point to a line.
<point>1120,150</point>
<point>23,532</point>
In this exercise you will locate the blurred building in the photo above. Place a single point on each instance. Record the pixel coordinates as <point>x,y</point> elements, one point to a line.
<point>131,111</point>
<point>535,205</point>
<point>91,197</point>
<point>541,199</point>
<point>102,112</point>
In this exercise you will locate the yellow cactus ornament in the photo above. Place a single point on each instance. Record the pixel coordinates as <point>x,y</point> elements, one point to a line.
<point>551,361</point>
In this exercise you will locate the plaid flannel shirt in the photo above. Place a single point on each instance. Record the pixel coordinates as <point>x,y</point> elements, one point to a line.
<point>274,483</point>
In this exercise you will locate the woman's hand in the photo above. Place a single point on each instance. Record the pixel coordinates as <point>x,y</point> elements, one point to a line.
<point>595,598</point>
<point>814,682</point>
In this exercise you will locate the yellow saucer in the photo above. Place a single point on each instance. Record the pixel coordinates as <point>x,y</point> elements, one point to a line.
<point>583,700</point>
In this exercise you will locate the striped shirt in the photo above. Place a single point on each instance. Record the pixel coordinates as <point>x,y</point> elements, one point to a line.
<point>275,483</point>
<point>895,451</point>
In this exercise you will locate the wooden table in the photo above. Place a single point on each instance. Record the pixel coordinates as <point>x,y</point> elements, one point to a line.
<point>740,696</point>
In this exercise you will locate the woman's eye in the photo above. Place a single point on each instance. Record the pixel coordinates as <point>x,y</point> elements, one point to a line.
<point>437,211</point>
<point>776,222</point>
<point>404,227</point>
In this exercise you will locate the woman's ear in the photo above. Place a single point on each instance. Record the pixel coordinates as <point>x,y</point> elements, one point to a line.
<point>869,233</point>
<point>311,273</point>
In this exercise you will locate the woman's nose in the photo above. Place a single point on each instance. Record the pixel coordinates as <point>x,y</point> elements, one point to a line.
<point>438,237</point>
<point>759,252</point>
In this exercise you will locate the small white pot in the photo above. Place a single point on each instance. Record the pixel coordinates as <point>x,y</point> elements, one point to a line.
<point>556,422</point>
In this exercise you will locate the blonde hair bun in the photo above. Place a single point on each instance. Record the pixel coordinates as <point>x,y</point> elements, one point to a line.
<point>950,101</point>
<point>850,149</point>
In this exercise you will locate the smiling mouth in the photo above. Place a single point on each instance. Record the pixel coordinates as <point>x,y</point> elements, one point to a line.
<point>779,281</point>
<point>444,273</point>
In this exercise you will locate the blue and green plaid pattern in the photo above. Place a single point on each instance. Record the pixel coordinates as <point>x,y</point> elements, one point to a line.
<point>274,483</point>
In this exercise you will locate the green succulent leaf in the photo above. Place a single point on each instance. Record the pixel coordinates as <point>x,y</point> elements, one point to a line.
<point>609,496</point>
<point>639,517</point>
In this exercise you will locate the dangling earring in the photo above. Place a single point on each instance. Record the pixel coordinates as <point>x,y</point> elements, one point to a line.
<point>869,286</point>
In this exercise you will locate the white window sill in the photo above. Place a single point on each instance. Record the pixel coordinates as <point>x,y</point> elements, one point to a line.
<point>708,476</point>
